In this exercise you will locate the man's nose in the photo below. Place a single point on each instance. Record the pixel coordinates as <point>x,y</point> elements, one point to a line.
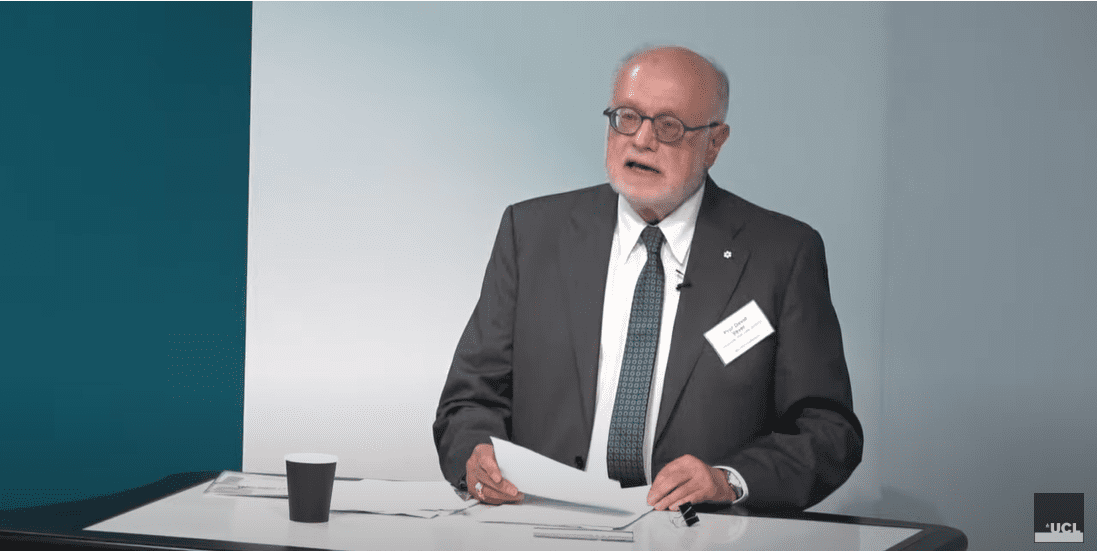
<point>644,138</point>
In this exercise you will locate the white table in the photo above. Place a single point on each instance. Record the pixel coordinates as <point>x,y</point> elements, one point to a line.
<point>265,521</point>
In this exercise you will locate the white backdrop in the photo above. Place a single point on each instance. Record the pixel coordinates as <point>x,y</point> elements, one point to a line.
<point>388,138</point>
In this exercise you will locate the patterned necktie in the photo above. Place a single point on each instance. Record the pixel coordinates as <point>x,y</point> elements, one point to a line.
<point>625,450</point>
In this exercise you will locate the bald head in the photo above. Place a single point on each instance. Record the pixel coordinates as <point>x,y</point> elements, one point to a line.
<point>672,94</point>
<point>704,76</point>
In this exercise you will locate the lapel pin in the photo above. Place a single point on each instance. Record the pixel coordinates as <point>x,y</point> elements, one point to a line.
<point>727,254</point>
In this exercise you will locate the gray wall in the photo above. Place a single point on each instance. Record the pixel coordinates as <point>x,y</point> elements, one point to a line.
<point>989,313</point>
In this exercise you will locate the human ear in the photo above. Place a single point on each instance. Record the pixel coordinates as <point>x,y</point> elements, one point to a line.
<point>717,137</point>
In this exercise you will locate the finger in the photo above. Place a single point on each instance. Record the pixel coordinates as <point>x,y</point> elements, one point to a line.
<point>486,459</point>
<point>656,495</point>
<point>481,491</point>
<point>473,472</point>
<point>494,496</point>
<point>666,482</point>
<point>508,488</point>
<point>476,481</point>
<point>505,489</point>
<point>483,468</point>
<point>680,495</point>
<point>698,488</point>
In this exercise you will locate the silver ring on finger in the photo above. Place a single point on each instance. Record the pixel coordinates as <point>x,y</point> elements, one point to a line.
<point>479,489</point>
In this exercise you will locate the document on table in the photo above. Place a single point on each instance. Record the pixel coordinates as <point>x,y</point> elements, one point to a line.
<point>389,497</point>
<point>232,483</point>
<point>560,495</point>
<point>423,499</point>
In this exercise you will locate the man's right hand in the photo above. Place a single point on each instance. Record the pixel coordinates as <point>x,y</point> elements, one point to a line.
<point>482,469</point>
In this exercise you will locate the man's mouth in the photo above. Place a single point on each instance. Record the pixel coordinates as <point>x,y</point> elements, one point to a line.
<point>641,166</point>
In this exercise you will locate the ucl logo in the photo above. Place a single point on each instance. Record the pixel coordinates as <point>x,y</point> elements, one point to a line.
<point>1058,517</point>
<point>1064,527</point>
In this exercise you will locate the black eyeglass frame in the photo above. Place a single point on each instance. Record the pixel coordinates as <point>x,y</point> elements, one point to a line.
<point>612,114</point>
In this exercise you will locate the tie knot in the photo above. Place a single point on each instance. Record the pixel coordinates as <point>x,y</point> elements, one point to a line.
<point>652,237</point>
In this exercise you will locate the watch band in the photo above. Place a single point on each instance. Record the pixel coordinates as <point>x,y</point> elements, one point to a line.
<point>734,488</point>
<point>734,481</point>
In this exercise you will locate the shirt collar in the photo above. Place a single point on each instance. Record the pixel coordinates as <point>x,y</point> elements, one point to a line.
<point>677,228</point>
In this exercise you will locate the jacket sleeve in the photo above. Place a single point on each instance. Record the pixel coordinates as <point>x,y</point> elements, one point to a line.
<point>816,441</point>
<point>476,399</point>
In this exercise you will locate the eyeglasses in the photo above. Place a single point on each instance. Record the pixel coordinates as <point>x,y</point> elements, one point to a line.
<point>668,129</point>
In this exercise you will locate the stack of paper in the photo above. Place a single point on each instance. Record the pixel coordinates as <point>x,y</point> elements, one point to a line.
<point>388,497</point>
<point>232,483</point>
<point>560,495</point>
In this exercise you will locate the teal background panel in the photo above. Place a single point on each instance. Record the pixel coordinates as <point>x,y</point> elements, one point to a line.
<point>123,210</point>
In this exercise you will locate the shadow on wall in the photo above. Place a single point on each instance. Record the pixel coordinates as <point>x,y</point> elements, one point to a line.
<point>894,504</point>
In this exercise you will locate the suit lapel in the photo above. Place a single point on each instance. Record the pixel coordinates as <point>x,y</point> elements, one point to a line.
<point>584,265</point>
<point>713,275</point>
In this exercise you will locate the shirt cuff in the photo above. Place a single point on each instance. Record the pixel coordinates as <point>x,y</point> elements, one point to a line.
<point>737,481</point>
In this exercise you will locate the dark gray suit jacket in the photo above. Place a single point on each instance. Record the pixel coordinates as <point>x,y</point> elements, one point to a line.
<point>526,366</point>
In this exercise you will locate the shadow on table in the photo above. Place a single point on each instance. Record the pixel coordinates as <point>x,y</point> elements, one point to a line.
<point>72,516</point>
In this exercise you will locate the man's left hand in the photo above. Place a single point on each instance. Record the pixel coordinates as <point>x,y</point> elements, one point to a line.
<point>688,479</point>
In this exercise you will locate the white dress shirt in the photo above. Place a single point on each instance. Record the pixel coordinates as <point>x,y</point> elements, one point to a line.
<point>626,260</point>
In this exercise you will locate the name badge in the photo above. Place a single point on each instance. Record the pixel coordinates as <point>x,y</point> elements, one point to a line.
<point>739,332</point>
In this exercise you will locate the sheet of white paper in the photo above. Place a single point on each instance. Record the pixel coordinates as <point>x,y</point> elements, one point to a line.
<point>233,483</point>
<point>395,497</point>
<point>420,499</point>
<point>540,511</point>
<point>535,474</point>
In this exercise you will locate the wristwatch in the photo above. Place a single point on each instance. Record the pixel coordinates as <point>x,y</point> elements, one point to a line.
<point>733,481</point>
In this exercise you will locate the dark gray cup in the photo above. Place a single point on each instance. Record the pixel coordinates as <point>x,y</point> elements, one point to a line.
<point>310,478</point>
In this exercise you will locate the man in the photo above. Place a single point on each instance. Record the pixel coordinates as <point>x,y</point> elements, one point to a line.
<point>588,341</point>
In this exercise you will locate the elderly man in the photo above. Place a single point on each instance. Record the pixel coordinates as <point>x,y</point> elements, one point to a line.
<point>626,328</point>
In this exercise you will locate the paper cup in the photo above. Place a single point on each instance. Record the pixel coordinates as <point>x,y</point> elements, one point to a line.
<point>310,478</point>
